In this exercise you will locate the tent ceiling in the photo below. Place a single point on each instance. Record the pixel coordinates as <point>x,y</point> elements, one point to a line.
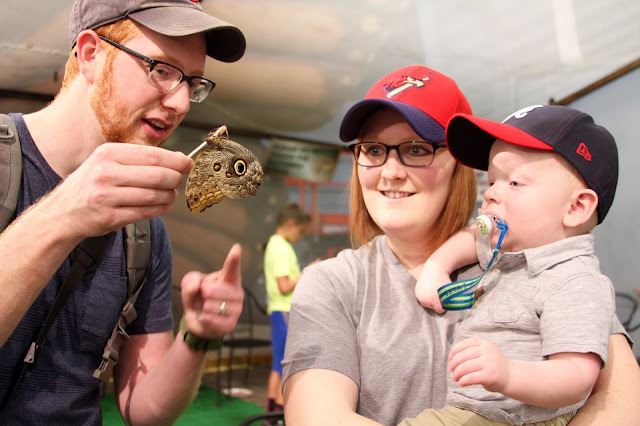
<point>307,61</point>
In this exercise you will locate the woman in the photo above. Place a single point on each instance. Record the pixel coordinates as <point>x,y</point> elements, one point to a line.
<point>361,349</point>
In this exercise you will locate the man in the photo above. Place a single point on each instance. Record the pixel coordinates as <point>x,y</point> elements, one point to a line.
<point>92,164</point>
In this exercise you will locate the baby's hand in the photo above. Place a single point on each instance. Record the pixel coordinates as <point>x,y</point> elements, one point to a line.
<point>431,279</point>
<point>477,361</point>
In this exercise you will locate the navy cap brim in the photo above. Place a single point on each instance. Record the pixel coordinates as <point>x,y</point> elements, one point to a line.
<point>425,126</point>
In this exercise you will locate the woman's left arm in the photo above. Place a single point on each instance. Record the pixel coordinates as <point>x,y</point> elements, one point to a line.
<point>615,396</point>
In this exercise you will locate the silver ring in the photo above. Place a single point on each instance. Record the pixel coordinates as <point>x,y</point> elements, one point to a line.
<point>223,308</point>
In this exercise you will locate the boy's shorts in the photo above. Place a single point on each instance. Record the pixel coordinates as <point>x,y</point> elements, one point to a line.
<point>453,416</point>
<point>279,327</point>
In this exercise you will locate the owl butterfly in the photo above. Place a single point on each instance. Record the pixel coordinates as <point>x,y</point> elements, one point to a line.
<point>223,169</point>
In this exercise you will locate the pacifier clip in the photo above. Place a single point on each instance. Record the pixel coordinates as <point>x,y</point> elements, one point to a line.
<point>459,295</point>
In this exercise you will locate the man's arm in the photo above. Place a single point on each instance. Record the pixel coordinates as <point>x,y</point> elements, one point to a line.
<point>116,185</point>
<point>157,377</point>
<point>615,396</point>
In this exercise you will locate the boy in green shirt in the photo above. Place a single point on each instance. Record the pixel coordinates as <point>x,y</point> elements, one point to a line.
<point>282,272</point>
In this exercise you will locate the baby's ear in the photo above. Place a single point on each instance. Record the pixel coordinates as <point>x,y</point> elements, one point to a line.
<point>583,207</point>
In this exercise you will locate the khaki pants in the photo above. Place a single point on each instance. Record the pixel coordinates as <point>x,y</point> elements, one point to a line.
<point>453,416</point>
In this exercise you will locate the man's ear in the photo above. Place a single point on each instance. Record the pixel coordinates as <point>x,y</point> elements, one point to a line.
<point>581,209</point>
<point>87,48</point>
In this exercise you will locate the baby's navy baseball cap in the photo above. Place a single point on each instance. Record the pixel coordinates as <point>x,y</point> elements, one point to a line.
<point>588,147</point>
<point>225,42</point>
<point>425,98</point>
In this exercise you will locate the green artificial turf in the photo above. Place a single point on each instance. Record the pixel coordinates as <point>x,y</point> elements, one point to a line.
<point>203,411</point>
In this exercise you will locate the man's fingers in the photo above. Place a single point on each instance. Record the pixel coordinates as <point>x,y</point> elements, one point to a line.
<point>231,269</point>
<point>155,177</point>
<point>130,154</point>
<point>190,289</point>
<point>137,196</point>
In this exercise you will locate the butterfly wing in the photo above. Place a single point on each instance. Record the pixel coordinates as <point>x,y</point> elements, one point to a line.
<point>224,169</point>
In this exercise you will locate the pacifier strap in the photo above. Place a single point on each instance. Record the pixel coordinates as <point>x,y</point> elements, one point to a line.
<point>459,295</point>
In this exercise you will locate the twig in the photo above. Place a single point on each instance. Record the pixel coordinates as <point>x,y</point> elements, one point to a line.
<point>204,144</point>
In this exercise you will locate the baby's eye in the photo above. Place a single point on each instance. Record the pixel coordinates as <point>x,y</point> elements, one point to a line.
<point>514,183</point>
<point>490,183</point>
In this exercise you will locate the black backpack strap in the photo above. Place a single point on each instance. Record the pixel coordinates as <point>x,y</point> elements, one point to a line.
<point>10,169</point>
<point>138,251</point>
<point>83,258</point>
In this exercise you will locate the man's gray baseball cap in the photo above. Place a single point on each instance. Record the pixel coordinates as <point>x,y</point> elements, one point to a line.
<point>225,42</point>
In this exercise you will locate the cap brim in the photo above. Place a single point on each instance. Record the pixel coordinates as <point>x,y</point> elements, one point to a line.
<point>470,138</point>
<point>225,42</point>
<point>425,126</point>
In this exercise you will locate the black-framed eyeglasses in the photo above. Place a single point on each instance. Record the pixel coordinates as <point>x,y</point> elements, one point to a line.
<point>412,153</point>
<point>166,77</point>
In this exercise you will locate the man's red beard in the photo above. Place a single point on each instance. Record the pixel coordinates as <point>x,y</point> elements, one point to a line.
<point>111,110</point>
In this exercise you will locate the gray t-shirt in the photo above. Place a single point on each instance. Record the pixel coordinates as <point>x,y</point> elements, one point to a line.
<point>538,302</point>
<point>357,314</point>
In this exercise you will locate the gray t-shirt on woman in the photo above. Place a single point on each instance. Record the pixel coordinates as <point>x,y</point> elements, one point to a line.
<point>357,314</point>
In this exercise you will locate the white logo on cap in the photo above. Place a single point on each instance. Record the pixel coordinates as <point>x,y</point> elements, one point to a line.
<point>408,82</point>
<point>521,113</point>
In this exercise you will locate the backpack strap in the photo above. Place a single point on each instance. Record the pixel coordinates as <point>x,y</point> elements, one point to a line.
<point>10,169</point>
<point>138,251</point>
<point>84,258</point>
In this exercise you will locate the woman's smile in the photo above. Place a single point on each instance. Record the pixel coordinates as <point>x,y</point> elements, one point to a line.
<point>396,194</point>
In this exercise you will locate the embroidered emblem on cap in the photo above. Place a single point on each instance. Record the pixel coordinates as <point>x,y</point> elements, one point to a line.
<point>400,86</point>
<point>584,151</point>
<point>522,113</point>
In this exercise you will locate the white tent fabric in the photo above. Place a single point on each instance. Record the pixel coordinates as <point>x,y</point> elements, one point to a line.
<point>307,61</point>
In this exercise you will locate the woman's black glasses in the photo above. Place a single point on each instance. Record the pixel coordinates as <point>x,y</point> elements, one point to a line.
<point>412,153</point>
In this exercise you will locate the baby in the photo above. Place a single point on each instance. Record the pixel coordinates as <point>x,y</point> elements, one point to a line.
<point>536,337</point>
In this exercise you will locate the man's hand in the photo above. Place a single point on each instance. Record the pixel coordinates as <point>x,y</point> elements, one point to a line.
<point>203,296</point>
<point>477,361</point>
<point>119,184</point>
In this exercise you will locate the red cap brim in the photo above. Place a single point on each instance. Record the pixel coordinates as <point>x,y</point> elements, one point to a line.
<point>470,138</point>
